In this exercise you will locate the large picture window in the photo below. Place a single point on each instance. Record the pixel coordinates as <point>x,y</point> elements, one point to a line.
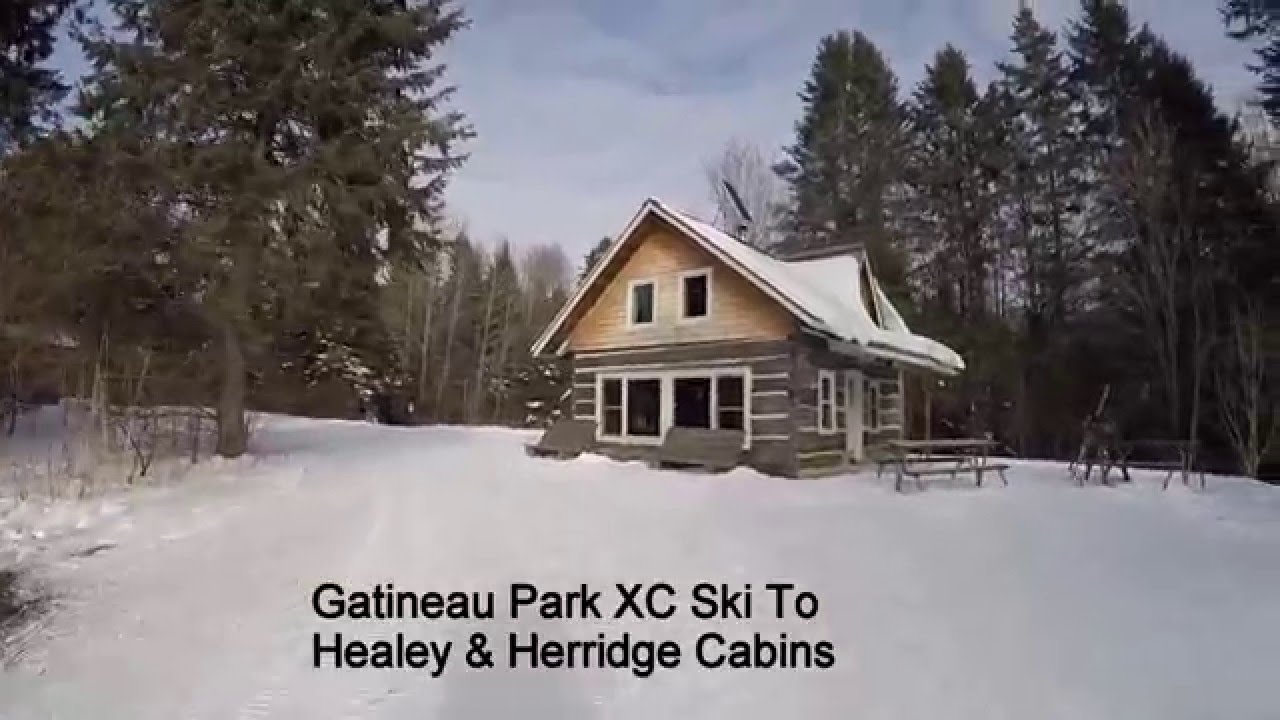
<point>710,401</point>
<point>693,402</point>
<point>631,407</point>
<point>644,407</point>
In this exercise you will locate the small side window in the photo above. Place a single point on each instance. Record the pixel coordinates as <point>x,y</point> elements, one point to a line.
<point>730,399</point>
<point>841,401</point>
<point>826,402</point>
<point>611,407</point>
<point>642,303</point>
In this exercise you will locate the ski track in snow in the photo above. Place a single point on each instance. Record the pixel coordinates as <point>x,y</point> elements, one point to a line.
<point>1038,600</point>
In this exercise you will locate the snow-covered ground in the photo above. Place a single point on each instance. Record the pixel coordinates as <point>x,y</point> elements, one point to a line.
<point>1040,600</point>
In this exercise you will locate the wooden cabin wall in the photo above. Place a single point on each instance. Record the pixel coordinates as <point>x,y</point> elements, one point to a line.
<point>816,451</point>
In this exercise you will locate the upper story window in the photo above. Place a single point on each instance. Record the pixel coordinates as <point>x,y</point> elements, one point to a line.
<point>695,294</point>
<point>640,303</point>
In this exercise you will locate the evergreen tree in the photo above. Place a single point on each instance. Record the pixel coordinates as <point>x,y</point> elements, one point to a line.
<point>954,199</point>
<point>29,91</point>
<point>301,155</point>
<point>1046,186</point>
<point>846,155</point>
<point>594,255</point>
<point>1260,21</point>
<point>955,159</point>
<point>1107,69</point>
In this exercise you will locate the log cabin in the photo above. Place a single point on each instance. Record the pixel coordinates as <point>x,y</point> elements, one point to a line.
<point>680,325</point>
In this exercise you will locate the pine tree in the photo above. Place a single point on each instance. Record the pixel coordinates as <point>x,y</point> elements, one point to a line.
<point>29,91</point>
<point>846,154</point>
<point>954,200</point>
<point>301,155</point>
<point>594,255</point>
<point>1046,189</point>
<point>955,159</point>
<point>1260,21</point>
<point>1106,67</point>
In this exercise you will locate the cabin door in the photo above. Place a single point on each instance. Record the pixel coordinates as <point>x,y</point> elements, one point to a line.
<point>853,386</point>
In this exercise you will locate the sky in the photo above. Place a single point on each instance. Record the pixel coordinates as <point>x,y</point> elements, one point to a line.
<point>583,108</point>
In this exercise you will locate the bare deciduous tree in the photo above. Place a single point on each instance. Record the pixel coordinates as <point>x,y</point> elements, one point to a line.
<point>744,166</point>
<point>1247,402</point>
<point>1169,271</point>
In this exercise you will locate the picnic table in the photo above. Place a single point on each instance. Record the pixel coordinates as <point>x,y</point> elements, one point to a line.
<point>1173,456</point>
<point>951,456</point>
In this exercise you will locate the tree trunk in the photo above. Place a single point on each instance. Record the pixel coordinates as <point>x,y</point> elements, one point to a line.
<point>504,347</point>
<point>428,312</point>
<point>477,399</point>
<point>459,282</point>
<point>233,437</point>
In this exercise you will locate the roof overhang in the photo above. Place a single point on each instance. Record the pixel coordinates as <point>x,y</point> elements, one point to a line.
<point>884,351</point>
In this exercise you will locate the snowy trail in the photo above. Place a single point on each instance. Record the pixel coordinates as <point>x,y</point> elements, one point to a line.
<point>1038,600</point>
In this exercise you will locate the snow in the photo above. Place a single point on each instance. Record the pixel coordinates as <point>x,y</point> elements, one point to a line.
<point>1039,600</point>
<point>828,290</point>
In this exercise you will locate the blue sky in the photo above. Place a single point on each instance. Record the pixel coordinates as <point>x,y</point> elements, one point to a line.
<point>585,107</point>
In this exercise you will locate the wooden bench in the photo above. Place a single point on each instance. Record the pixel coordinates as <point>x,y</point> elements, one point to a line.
<point>714,450</point>
<point>565,439</point>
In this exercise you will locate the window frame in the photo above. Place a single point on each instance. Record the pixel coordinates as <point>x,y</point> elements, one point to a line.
<point>743,408</point>
<point>626,426</point>
<point>624,434</point>
<point>683,277</point>
<point>828,423</point>
<point>603,406</point>
<point>631,302</point>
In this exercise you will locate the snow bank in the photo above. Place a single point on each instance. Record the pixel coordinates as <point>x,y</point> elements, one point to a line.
<point>1040,600</point>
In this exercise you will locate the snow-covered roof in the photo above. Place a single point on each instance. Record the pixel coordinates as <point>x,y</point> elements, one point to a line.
<point>825,295</point>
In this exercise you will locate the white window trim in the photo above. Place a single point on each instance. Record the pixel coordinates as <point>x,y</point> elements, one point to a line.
<point>625,437</point>
<point>700,272</point>
<point>824,427</point>
<point>631,301</point>
<point>667,400</point>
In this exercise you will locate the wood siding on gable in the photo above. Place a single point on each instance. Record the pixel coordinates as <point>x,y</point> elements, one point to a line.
<point>739,311</point>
